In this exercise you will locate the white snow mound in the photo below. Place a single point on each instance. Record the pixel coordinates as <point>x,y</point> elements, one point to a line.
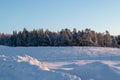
<point>96,71</point>
<point>32,61</point>
<point>25,68</point>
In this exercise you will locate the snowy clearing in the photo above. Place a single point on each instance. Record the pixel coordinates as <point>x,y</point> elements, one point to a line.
<point>59,63</point>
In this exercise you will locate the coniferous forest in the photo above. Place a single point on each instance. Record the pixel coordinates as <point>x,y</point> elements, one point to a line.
<point>65,37</point>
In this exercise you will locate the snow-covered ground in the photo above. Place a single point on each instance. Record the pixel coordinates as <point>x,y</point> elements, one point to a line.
<point>59,63</point>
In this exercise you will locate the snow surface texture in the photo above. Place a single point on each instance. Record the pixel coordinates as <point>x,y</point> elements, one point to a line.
<point>59,63</point>
<point>21,70</point>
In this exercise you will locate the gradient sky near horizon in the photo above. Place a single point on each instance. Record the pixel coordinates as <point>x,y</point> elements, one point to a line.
<point>99,15</point>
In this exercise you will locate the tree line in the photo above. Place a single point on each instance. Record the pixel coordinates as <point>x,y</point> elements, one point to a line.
<point>65,37</point>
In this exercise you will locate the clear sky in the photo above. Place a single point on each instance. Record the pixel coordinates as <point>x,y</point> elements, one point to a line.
<point>99,15</point>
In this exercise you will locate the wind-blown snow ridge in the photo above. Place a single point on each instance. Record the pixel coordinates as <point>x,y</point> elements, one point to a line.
<point>32,61</point>
<point>19,69</point>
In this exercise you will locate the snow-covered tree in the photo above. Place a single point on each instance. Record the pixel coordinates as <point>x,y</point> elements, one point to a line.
<point>64,37</point>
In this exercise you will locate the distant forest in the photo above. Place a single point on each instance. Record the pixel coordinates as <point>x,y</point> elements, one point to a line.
<point>65,37</point>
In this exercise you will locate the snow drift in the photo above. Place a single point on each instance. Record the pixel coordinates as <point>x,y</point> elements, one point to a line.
<point>94,71</point>
<point>32,61</point>
<point>26,68</point>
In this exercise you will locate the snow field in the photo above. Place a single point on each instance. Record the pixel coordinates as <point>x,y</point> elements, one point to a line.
<point>59,63</point>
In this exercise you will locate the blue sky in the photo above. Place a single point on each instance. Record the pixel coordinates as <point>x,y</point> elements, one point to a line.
<point>99,15</point>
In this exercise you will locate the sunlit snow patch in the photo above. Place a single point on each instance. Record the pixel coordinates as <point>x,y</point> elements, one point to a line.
<point>32,61</point>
